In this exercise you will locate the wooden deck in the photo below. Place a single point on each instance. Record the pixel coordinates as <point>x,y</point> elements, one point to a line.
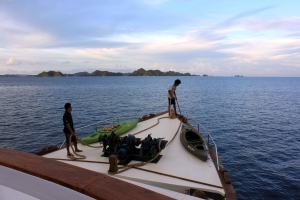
<point>93,184</point>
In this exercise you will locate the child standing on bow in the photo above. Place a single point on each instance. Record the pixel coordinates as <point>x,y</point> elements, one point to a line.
<point>172,95</point>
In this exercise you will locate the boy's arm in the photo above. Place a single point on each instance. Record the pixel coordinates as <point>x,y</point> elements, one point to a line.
<point>170,92</point>
<point>70,129</point>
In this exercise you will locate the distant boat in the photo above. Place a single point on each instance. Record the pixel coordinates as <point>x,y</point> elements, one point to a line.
<point>238,76</point>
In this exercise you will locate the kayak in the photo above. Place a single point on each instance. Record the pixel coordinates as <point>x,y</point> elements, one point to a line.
<point>119,129</point>
<point>194,143</point>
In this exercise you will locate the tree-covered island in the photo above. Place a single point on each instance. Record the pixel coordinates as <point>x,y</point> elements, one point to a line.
<point>139,72</point>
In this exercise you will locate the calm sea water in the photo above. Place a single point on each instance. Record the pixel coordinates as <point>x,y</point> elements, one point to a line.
<point>254,121</point>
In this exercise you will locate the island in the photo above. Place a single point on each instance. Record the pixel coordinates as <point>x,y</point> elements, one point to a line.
<point>139,72</point>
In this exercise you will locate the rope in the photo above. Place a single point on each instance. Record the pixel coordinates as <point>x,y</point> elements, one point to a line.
<point>138,165</point>
<point>88,161</point>
<point>175,133</point>
<point>72,157</point>
<point>150,126</point>
<point>135,165</point>
<point>185,179</point>
<point>83,143</point>
<point>78,139</point>
<point>178,106</point>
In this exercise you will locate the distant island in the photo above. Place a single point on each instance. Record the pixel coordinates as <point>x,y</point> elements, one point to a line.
<point>14,75</point>
<point>139,72</point>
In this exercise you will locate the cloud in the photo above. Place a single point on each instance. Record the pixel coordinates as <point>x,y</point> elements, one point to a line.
<point>80,24</point>
<point>231,21</point>
<point>91,43</point>
<point>40,62</point>
<point>12,61</point>
<point>191,36</point>
<point>121,67</point>
<point>15,33</point>
<point>289,24</point>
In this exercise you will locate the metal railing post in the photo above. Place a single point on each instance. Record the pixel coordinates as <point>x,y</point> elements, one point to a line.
<point>62,144</point>
<point>208,138</point>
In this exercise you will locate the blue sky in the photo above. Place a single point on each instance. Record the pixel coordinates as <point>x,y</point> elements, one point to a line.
<point>216,37</point>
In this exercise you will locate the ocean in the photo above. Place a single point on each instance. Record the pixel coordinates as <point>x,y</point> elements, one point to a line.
<point>255,122</point>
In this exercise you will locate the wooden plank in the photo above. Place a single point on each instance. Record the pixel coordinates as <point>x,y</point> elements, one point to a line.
<point>227,178</point>
<point>91,183</point>
<point>228,187</point>
<point>48,169</point>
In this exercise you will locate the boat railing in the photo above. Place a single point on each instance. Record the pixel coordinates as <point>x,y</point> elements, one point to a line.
<point>102,121</point>
<point>209,139</point>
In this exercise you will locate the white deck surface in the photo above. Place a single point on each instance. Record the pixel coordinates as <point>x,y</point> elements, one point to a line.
<point>175,161</point>
<point>18,185</point>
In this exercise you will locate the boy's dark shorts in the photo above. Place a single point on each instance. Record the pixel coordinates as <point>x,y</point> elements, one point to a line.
<point>172,101</point>
<point>68,138</point>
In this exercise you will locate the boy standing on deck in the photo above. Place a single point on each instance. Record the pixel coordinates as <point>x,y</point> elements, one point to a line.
<point>172,95</point>
<point>69,129</point>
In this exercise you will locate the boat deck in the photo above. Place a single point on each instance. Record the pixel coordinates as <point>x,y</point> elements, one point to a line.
<point>177,170</point>
<point>27,176</point>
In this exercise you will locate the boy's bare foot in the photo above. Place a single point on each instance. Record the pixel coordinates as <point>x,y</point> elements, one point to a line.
<point>77,150</point>
<point>69,154</point>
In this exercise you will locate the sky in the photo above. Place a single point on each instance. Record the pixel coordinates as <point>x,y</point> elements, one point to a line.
<point>215,37</point>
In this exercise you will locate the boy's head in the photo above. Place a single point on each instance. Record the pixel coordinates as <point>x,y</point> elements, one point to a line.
<point>177,82</point>
<point>68,106</point>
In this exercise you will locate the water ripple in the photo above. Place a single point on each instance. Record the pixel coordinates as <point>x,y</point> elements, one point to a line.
<point>254,121</point>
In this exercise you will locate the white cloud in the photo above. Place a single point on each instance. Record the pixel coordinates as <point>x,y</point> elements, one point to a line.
<point>39,62</point>
<point>11,62</point>
<point>16,32</point>
<point>157,34</point>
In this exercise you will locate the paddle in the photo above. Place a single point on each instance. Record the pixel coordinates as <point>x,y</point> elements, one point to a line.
<point>178,105</point>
